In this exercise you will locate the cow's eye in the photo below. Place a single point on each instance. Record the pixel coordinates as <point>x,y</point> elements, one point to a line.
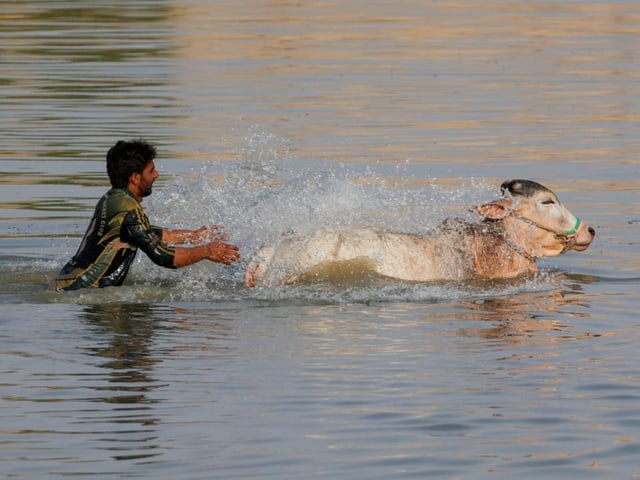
<point>548,202</point>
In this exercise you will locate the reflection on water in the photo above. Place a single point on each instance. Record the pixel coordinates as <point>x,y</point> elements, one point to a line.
<point>268,387</point>
<point>127,353</point>
<point>527,316</point>
<point>437,82</point>
<point>122,337</point>
<point>67,84</point>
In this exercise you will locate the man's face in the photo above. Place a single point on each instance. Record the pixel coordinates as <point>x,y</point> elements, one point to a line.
<point>147,177</point>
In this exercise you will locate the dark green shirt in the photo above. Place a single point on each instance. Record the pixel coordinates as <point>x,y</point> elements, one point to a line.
<point>118,228</point>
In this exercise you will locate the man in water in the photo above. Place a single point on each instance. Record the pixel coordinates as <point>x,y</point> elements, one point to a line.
<point>119,227</point>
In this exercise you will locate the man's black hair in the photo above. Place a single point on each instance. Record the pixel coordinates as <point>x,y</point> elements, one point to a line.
<point>128,157</point>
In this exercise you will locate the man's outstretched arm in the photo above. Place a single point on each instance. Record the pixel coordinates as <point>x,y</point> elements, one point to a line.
<point>136,230</point>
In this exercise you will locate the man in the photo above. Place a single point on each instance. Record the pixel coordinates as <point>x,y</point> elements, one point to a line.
<point>119,227</point>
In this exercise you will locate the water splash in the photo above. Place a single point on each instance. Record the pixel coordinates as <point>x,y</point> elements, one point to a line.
<point>266,193</point>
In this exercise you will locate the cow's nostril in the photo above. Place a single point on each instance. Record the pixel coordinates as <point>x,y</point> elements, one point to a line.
<point>591,230</point>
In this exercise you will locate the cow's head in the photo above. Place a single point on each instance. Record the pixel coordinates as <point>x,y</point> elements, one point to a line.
<point>535,220</point>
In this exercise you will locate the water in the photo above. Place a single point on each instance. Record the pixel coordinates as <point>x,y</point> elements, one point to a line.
<point>272,116</point>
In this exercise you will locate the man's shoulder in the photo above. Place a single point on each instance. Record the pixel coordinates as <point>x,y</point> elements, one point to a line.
<point>119,199</point>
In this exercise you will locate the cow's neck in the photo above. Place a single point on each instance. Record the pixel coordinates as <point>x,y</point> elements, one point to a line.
<point>498,255</point>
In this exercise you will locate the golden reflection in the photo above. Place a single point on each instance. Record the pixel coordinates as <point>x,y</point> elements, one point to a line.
<point>525,316</point>
<point>521,317</point>
<point>420,79</point>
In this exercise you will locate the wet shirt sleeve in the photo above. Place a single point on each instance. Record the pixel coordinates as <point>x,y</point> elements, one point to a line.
<point>137,231</point>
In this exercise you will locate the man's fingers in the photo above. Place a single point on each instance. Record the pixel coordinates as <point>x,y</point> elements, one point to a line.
<point>225,253</point>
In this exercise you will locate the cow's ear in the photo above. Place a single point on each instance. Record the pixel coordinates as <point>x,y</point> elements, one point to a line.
<point>494,210</point>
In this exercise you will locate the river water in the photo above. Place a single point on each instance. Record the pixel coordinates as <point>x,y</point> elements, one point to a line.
<point>280,115</point>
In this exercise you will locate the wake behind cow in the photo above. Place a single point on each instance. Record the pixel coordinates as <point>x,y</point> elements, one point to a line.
<point>527,223</point>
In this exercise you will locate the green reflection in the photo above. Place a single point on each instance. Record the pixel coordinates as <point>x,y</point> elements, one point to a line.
<point>79,69</point>
<point>47,205</point>
<point>128,330</point>
<point>122,341</point>
<point>85,179</point>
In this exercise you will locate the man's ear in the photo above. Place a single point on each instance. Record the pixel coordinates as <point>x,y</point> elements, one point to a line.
<point>134,178</point>
<point>494,210</point>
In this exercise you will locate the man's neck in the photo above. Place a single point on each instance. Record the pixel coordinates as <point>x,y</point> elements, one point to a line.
<point>135,192</point>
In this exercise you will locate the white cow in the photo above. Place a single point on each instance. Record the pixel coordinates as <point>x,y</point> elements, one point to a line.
<point>528,222</point>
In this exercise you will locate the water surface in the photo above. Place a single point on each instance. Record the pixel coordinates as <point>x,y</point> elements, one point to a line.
<point>272,116</point>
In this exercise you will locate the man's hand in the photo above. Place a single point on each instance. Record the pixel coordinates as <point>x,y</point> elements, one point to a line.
<point>222,252</point>
<point>215,251</point>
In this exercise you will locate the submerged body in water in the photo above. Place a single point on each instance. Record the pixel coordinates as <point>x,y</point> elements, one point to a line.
<point>528,222</point>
